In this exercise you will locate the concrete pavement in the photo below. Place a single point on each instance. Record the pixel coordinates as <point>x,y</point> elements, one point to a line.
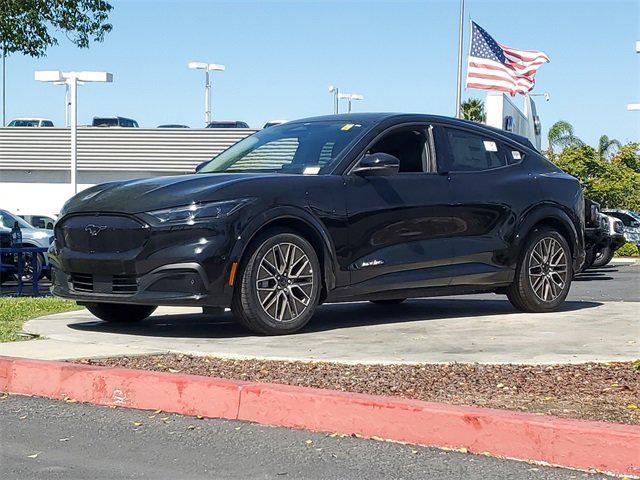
<point>594,325</point>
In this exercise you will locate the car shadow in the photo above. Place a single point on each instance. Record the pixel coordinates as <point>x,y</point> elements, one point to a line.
<point>327,317</point>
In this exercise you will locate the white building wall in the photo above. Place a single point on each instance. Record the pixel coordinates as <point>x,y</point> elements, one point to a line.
<point>35,162</point>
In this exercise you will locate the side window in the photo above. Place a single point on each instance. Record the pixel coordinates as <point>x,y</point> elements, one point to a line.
<point>513,155</point>
<point>410,145</point>
<point>472,152</point>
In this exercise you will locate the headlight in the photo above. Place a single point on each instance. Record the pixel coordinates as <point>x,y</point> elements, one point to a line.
<point>198,212</point>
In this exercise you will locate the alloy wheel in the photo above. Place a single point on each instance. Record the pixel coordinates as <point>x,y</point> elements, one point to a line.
<point>548,269</point>
<point>284,282</point>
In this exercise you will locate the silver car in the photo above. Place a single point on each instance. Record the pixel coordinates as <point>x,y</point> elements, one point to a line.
<point>631,222</point>
<point>31,237</point>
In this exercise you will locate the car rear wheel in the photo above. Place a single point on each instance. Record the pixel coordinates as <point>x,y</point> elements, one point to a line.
<point>279,285</point>
<point>390,301</point>
<point>602,257</point>
<point>544,273</point>
<point>119,312</point>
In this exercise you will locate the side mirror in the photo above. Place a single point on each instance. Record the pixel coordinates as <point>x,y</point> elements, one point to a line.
<point>377,165</point>
<point>200,165</point>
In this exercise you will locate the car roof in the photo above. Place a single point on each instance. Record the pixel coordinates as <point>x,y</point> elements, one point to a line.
<point>378,117</point>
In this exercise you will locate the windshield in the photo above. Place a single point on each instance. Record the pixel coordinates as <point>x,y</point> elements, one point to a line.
<point>7,220</point>
<point>105,122</point>
<point>304,148</point>
<point>24,123</point>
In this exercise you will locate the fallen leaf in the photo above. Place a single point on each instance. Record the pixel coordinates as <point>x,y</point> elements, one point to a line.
<point>237,428</point>
<point>173,370</point>
<point>199,417</point>
<point>632,406</point>
<point>191,427</point>
<point>137,424</point>
<point>66,439</point>
<point>308,442</point>
<point>500,385</point>
<point>23,417</point>
<point>34,455</point>
<point>414,451</point>
<point>165,419</point>
<point>157,411</point>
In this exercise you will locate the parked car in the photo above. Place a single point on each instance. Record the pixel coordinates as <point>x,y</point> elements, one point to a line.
<point>7,261</point>
<point>114,122</point>
<point>173,125</point>
<point>31,237</point>
<point>616,239</point>
<point>273,123</point>
<point>39,221</point>
<point>378,207</point>
<point>30,122</point>
<point>630,221</point>
<point>227,125</point>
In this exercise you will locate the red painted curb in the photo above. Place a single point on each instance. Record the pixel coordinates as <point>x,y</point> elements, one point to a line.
<point>573,443</point>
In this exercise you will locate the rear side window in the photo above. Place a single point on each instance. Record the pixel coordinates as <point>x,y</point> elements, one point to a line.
<point>471,152</point>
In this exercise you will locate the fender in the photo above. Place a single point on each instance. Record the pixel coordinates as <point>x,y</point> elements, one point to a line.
<point>551,211</point>
<point>272,215</point>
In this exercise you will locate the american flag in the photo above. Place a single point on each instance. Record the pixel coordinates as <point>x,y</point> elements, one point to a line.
<point>493,66</point>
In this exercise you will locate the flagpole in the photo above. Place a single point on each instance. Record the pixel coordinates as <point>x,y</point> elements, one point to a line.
<point>460,35</point>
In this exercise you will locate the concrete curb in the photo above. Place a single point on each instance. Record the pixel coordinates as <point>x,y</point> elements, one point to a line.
<point>579,444</point>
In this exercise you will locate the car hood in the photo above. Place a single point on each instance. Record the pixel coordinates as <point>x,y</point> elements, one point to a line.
<point>148,194</point>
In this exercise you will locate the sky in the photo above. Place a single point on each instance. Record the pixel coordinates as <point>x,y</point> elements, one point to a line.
<point>281,57</point>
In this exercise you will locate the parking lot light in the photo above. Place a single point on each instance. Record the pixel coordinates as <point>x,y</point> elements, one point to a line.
<point>350,97</point>
<point>207,67</point>
<point>71,81</point>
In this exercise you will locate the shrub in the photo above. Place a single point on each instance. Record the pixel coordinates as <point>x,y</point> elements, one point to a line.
<point>627,250</point>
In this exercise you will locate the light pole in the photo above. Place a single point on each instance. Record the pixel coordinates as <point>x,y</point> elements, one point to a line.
<point>4,87</point>
<point>71,80</point>
<point>350,97</point>
<point>333,89</point>
<point>635,106</point>
<point>207,67</point>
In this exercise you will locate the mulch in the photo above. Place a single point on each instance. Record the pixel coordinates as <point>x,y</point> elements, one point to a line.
<point>591,391</point>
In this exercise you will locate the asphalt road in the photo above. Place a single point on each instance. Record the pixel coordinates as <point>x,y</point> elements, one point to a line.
<point>46,439</point>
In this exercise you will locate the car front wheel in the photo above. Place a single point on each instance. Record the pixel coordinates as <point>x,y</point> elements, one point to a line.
<point>119,312</point>
<point>544,273</point>
<point>279,286</point>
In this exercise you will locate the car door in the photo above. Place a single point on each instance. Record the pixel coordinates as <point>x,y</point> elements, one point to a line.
<point>398,225</point>
<point>491,188</point>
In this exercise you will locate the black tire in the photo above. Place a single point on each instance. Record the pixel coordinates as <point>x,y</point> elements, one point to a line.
<point>120,312</point>
<point>390,301</point>
<point>521,292</point>
<point>279,287</point>
<point>602,257</point>
<point>590,256</point>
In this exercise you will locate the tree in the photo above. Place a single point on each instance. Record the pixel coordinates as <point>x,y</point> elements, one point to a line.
<point>28,26</point>
<point>606,146</point>
<point>561,136</point>
<point>613,184</point>
<point>473,109</point>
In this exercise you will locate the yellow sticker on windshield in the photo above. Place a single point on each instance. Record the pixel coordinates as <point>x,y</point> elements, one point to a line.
<point>347,126</point>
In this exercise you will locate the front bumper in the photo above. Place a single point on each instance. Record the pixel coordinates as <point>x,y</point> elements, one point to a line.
<point>141,264</point>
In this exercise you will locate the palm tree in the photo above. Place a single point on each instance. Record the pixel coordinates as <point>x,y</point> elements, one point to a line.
<point>606,146</point>
<point>473,109</point>
<point>561,136</point>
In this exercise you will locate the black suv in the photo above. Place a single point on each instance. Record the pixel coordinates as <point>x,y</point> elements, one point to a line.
<point>378,207</point>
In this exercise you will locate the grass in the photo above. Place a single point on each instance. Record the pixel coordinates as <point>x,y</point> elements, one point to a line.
<point>15,311</point>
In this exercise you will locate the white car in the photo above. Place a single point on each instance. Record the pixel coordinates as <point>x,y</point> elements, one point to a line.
<point>31,237</point>
<point>30,122</point>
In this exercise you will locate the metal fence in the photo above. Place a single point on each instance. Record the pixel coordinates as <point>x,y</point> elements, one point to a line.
<point>170,150</point>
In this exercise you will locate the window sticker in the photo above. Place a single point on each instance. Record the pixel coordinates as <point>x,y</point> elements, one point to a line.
<point>516,155</point>
<point>311,170</point>
<point>490,146</point>
<point>347,126</point>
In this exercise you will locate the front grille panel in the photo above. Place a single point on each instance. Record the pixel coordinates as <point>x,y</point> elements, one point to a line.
<point>82,282</point>
<point>101,233</point>
<point>126,284</point>
<point>104,284</point>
